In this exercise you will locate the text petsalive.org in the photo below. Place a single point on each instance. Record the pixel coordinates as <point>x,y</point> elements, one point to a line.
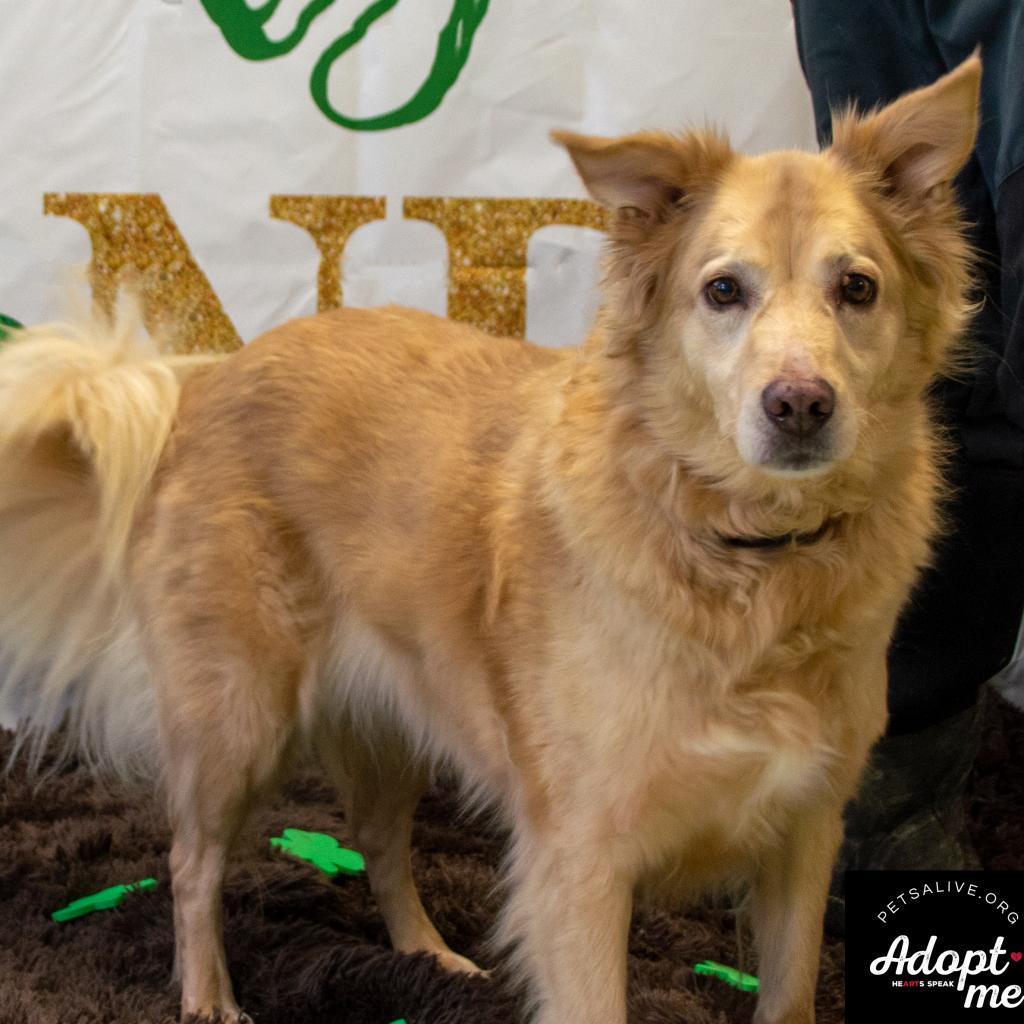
<point>949,886</point>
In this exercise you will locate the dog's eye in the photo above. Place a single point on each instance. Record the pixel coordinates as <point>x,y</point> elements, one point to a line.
<point>856,289</point>
<point>723,291</point>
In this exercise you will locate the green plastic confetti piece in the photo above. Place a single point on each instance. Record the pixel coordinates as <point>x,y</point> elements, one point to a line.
<point>321,851</point>
<point>730,975</point>
<point>107,899</point>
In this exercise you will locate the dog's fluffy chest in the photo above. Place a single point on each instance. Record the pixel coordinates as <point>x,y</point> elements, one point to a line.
<point>729,767</point>
<point>684,744</point>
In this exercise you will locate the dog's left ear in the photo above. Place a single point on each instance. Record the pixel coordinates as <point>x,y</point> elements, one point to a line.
<point>642,178</point>
<point>918,143</point>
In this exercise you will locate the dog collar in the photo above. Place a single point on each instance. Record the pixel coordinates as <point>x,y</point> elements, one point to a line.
<point>792,539</point>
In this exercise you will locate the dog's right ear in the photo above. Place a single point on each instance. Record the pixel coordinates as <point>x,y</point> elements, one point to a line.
<point>644,181</point>
<point>643,178</point>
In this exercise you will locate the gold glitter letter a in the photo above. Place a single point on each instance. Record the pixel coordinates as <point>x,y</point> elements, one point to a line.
<point>135,232</point>
<point>330,220</point>
<point>487,243</point>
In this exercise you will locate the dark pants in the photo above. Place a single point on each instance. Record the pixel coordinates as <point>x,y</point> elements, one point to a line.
<point>961,624</point>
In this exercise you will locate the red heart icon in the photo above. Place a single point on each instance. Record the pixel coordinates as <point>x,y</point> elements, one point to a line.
<point>1016,956</point>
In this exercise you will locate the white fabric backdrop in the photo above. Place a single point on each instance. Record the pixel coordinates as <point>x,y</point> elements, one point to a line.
<point>146,96</point>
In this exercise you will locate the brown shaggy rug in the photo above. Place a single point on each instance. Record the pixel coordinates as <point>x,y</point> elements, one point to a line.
<point>303,949</point>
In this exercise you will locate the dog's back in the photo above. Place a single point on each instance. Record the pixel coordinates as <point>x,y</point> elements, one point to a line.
<point>335,492</point>
<point>311,444</point>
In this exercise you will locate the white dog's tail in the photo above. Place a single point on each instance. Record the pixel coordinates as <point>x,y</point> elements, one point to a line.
<point>84,416</point>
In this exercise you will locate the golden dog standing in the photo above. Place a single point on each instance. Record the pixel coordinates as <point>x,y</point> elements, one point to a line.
<point>638,594</point>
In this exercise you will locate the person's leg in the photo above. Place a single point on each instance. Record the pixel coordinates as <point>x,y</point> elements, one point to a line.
<point>997,26</point>
<point>866,53</point>
<point>961,623</point>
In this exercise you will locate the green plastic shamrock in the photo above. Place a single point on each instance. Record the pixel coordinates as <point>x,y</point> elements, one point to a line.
<point>321,851</point>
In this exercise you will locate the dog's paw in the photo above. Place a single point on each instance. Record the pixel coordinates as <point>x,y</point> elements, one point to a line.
<point>458,964</point>
<point>217,1017</point>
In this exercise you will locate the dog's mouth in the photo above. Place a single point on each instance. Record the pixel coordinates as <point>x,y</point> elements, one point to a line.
<point>786,457</point>
<point>791,461</point>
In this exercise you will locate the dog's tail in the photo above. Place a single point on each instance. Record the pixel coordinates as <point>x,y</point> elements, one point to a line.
<point>85,413</point>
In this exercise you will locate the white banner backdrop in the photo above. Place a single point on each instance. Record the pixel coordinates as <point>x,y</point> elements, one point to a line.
<point>149,96</point>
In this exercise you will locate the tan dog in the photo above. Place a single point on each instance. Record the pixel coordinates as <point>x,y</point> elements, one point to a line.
<point>638,594</point>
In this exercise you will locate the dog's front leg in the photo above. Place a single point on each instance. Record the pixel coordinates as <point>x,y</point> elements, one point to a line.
<point>568,919</point>
<point>788,908</point>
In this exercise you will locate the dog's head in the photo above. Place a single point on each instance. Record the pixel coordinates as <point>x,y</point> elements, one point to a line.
<point>780,314</point>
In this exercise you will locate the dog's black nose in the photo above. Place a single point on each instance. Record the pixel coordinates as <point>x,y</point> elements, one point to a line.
<point>798,406</point>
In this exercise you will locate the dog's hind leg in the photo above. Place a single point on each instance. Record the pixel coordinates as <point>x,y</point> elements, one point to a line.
<point>226,657</point>
<point>221,754</point>
<point>381,784</point>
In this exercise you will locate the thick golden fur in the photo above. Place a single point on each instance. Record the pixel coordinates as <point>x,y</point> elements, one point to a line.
<point>404,543</point>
